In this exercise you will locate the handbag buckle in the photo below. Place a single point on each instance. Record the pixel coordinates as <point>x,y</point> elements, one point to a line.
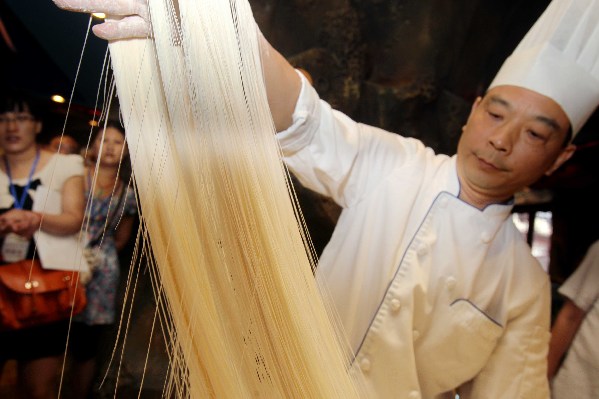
<point>31,284</point>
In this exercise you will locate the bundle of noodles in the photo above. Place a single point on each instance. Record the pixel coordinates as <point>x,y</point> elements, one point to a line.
<point>243,314</point>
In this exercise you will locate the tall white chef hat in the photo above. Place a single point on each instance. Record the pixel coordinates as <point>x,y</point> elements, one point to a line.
<point>559,58</point>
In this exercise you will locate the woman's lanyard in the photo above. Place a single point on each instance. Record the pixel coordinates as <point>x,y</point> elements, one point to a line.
<point>20,202</point>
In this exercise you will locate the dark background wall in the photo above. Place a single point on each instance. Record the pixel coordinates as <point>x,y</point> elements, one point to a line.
<point>410,66</point>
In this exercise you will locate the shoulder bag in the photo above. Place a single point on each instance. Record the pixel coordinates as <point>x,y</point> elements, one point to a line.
<point>30,295</point>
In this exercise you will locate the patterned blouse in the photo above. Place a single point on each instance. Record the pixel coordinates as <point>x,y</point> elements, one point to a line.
<point>105,213</point>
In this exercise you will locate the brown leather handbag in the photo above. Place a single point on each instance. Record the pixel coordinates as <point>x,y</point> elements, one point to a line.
<point>30,295</point>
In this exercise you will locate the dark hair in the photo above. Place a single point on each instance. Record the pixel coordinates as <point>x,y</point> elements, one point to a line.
<point>569,136</point>
<point>19,101</point>
<point>115,124</point>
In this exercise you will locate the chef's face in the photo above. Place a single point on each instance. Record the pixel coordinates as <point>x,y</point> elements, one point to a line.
<point>512,137</point>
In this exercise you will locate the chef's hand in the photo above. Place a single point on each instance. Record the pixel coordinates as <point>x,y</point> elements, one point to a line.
<point>125,19</point>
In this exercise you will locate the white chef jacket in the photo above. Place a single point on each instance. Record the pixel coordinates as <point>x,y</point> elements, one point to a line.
<point>578,377</point>
<point>433,293</point>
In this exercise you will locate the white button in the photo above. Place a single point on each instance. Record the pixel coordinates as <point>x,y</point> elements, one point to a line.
<point>414,395</point>
<point>421,249</point>
<point>415,334</point>
<point>485,237</point>
<point>395,305</point>
<point>451,282</point>
<point>365,364</point>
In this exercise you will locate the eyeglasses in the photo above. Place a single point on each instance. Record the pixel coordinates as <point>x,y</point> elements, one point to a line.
<point>19,118</point>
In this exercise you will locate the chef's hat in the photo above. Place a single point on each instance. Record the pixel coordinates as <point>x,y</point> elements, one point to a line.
<point>559,58</point>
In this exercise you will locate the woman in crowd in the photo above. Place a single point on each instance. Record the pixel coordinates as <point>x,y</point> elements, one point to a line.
<point>109,220</point>
<point>25,169</point>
